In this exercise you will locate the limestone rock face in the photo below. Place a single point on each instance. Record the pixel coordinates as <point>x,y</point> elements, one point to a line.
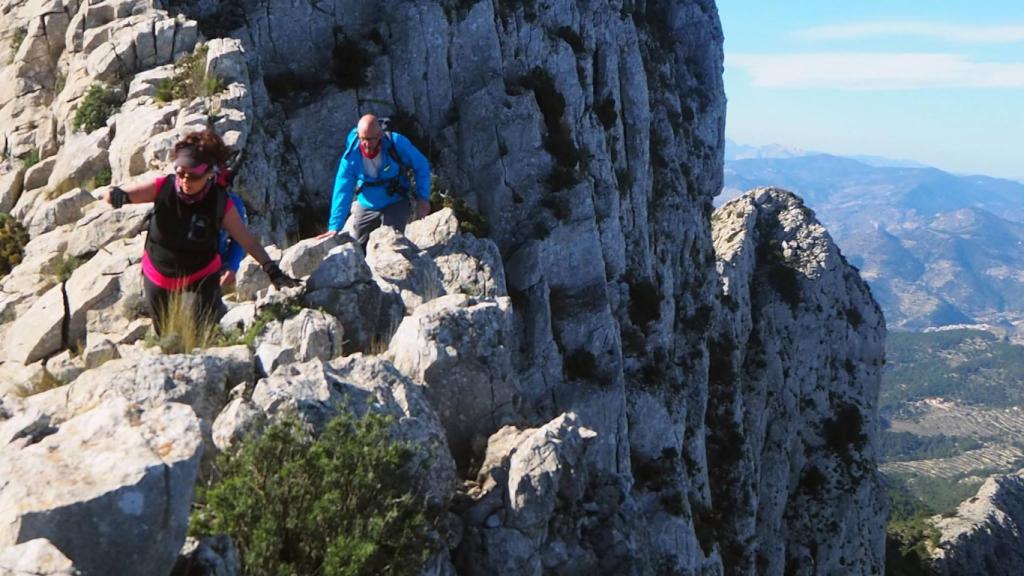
<point>984,537</point>
<point>118,487</point>
<point>793,396</point>
<point>460,351</point>
<point>528,474</point>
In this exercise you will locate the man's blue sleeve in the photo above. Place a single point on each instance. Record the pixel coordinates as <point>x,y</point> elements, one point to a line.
<point>341,199</point>
<point>233,254</point>
<point>417,161</point>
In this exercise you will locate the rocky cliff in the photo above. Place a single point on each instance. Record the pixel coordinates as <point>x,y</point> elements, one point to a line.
<point>984,536</point>
<point>622,383</point>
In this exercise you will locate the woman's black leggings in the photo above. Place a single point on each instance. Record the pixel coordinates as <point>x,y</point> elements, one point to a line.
<point>207,302</point>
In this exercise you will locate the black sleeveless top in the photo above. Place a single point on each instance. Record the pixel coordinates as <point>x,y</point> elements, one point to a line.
<point>184,238</point>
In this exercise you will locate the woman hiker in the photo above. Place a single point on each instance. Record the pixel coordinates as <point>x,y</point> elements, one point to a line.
<point>182,251</point>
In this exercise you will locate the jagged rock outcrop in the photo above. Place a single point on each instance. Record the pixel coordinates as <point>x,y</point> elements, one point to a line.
<point>792,409</point>
<point>612,407</point>
<point>110,488</point>
<point>986,533</point>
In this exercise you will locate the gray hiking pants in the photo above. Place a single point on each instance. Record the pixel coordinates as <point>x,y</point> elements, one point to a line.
<point>365,220</point>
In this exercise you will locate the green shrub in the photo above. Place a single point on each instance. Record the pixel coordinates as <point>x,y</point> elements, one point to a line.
<point>102,177</point>
<point>335,505</point>
<point>31,159</point>
<point>98,104</point>
<point>13,238</point>
<point>66,267</point>
<point>189,80</point>
<point>469,220</point>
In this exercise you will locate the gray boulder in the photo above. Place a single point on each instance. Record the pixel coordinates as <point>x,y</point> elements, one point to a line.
<point>316,391</point>
<point>308,335</point>
<point>343,285</point>
<point>399,265</point>
<point>524,477</point>
<point>38,557</point>
<point>12,179</point>
<point>111,488</point>
<point>468,265</point>
<point>459,349</point>
<point>64,209</point>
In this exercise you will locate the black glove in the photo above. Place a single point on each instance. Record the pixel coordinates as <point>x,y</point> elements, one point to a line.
<point>118,197</point>
<point>277,276</point>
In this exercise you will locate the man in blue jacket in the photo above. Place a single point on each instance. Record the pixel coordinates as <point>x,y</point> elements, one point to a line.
<point>372,168</point>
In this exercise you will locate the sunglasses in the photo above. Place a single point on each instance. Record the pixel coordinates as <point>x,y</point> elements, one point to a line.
<point>190,176</point>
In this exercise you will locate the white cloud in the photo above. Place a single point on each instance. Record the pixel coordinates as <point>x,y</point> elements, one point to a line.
<point>876,71</point>
<point>948,32</point>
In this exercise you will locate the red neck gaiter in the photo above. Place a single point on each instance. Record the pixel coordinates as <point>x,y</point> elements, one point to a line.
<point>364,147</point>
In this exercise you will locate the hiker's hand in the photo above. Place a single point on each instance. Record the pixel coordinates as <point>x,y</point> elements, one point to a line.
<point>277,276</point>
<point>227,278</point>
<point>422,209</point>
<point>327,234</point>
<point>116,197</point>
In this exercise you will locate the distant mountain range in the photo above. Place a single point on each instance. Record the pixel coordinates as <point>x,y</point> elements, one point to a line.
<point>936,248</point>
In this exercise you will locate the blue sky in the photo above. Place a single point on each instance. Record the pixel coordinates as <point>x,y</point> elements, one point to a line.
<point>940,82</point>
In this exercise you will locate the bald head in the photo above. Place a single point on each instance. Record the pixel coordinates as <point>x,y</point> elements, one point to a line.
<point>369,133</point>
<point>368,126</point>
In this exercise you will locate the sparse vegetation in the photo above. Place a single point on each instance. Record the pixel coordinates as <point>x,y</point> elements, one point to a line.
<point>47,381</point>
<point>13,238</point>
<point>190,79</point>
<point>31,159</point>
<point>63,269</point>
<point>102,177</point>
<point>16,40</point>
<point>96,107</point>
<point>910,535</point>
<point>59,82</point>
<point>335,505</point>
<point>469,219</point>
<point>184,327</point>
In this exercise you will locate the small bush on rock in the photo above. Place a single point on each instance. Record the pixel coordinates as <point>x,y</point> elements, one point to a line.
<point>97,106</point>
<point>469,219</point>
<point>13,238</point>
<point>31,159</point>
<point>190,79</point>
<point>335,505</point>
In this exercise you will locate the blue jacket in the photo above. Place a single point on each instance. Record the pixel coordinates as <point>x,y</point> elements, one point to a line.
<point>373,192</point>
<point>231,252</point>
